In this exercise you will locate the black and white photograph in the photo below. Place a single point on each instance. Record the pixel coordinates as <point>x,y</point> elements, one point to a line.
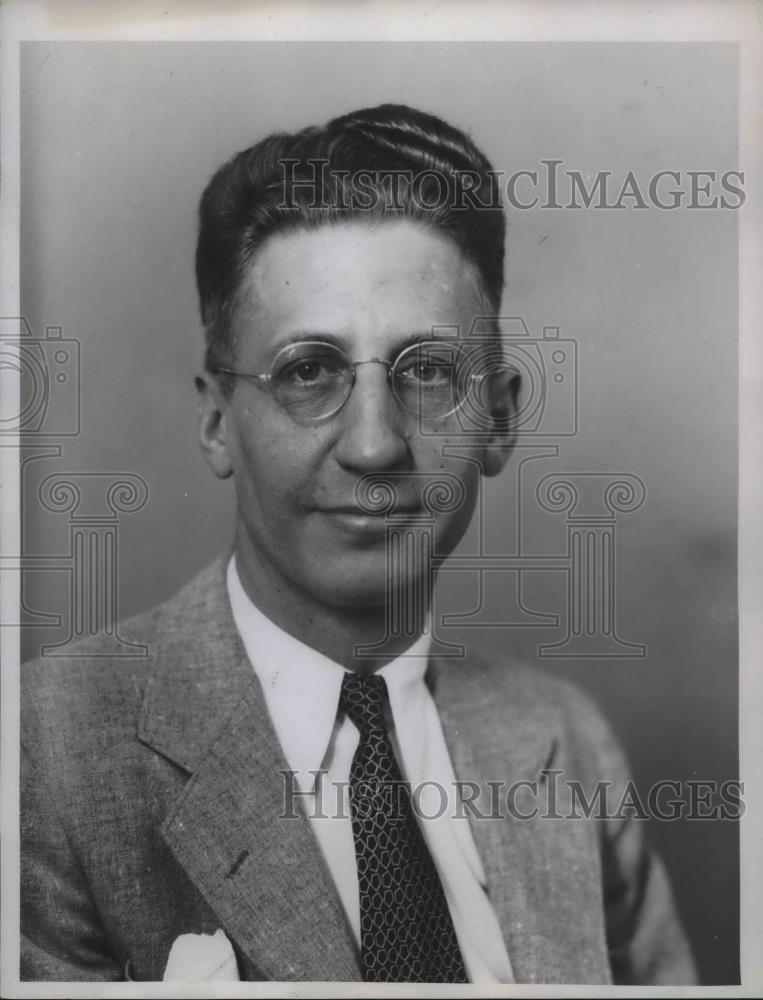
<point>373,564</point>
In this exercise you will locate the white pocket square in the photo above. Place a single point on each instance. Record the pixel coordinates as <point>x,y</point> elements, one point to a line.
<point>196,958</point>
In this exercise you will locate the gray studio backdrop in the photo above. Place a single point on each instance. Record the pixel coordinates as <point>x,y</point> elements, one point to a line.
<point>118,141</point>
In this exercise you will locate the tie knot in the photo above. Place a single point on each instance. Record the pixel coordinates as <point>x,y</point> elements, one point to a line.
<point>362,700</point>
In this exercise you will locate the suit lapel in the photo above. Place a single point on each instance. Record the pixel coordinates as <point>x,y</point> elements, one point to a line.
<point>252,856</point>
<point>532,867</point>
<point>263,874</point>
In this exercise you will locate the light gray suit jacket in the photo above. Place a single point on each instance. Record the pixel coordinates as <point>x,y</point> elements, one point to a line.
<point>151,797</point>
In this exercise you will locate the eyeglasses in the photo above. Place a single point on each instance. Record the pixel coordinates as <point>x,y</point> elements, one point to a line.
<point>312,379</point>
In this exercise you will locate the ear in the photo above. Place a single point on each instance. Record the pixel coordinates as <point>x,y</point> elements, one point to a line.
<point>501,396</point>
<point>214,426</point>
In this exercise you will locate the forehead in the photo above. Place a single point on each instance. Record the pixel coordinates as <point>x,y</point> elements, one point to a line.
<point>366,284</point>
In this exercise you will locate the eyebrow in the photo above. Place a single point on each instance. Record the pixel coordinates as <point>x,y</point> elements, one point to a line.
<point>301,336</point>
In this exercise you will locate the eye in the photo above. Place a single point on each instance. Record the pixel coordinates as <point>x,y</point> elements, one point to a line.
<point>310,370</point>
<point>426,367</point>
<point>306,371</point>
<point>427,371</point>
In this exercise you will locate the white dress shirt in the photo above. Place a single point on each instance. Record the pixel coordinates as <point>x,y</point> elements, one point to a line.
<point>301,689</point>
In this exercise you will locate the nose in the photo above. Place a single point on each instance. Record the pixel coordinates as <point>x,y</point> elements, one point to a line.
<point>373,427</point>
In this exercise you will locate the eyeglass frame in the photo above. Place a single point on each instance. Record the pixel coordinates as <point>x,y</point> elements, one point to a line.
<point>265,379</point>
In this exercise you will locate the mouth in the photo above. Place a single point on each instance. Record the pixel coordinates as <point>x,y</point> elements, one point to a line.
<point>358,521</point>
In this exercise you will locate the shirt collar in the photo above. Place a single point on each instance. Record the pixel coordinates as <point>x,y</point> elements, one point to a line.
<point>301,686</point>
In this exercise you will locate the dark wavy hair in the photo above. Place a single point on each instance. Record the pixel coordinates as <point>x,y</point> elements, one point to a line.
<point>389,161</point>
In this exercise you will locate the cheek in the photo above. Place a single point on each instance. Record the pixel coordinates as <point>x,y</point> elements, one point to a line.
<point>452,525</point>
<point>264,468</point>
<point>454,479</point>
<point>452,490</point>
<point>274,467</point>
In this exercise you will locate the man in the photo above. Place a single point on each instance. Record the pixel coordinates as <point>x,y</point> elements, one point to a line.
<point>262,776</point>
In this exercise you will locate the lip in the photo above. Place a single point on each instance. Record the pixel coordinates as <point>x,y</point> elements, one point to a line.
<point>358,521</point>
<point>362,512</point>
<point>353,510</point>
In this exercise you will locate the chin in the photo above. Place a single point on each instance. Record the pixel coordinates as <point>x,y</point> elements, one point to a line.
<point>361,584</point>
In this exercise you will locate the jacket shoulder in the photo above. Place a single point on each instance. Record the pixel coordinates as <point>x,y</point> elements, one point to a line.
<point>496,676</point>
<point>503,691</point>
<point>88,702</point>
<point>84,698</point>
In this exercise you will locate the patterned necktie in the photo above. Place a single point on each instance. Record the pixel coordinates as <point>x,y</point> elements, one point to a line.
<point>406,931</point>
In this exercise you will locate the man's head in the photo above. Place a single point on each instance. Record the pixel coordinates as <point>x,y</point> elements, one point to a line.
<point>293,278</point>
<point>375,165</point>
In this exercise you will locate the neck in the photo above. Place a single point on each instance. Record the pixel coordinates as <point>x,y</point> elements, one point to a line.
<point>336,632</point>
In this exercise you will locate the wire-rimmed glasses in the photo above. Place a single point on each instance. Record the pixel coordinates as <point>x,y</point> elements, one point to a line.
<point>313,379</point>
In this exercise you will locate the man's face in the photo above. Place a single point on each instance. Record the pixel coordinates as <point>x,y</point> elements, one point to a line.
<point>371,289</point>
